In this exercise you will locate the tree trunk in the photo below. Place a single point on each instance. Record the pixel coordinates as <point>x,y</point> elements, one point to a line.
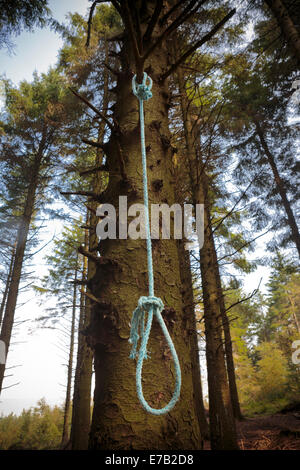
<point>8,319</point>
<point>81,410</point>
<point>189,308</point>
<point>66,424</point>
<point>222,424</point>
<point>280,187</point>
<point>287,26</point>
<point>119,422</point>
<point>5,293</point>
<point>228,348</point>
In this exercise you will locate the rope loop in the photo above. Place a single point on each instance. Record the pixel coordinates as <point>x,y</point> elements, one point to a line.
<point>142,91</point>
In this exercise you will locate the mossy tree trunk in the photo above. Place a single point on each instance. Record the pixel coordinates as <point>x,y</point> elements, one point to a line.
<point>119,422</point>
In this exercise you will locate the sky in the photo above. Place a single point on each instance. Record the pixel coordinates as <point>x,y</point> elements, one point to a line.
<point>35,359</point>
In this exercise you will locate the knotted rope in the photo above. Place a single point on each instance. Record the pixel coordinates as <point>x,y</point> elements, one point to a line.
<point>147,306</point>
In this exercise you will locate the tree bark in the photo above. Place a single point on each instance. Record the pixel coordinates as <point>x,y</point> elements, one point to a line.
<point>280,187</point>
<point>286,25</point>
<point>67,409</point>
<point>119,422</point>
<point>8,319</point>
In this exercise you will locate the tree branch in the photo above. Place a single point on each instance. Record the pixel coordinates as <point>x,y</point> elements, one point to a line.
<point>154,19</point>
<point>246,298</point>
<point>93,143</point>
<point>198,44</point>
<point>90,105</point>
<point>187,12</point>
<point>90,23</point>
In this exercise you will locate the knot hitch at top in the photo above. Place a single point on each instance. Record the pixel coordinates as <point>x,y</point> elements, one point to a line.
<point>145,304</point>
<point>142,91</point>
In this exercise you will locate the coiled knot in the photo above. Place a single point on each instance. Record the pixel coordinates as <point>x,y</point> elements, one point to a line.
<point>145,304</point>
<point>142,90</point>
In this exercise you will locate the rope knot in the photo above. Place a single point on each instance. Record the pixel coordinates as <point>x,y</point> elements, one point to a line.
<point>142,91</point>
<point>150,301</point>
<point>145,304</point>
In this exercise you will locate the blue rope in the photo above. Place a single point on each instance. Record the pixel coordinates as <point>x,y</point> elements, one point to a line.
<point>147,306</point>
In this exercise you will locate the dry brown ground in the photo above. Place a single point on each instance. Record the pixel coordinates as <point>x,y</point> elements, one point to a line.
<point>276,432</point>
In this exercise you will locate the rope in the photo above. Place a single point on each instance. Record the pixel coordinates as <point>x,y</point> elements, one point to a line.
<point>151,305</point>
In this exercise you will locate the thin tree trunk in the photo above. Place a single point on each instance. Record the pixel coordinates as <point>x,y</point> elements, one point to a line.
<point>280,187</point>
<point>8,319</point>
<point>5,293</point>
<point>119,421</point>
<point>286,24</point>
<point>189,308</point>
<point>222,424</point>
<point>228,350</point>
<point>66,424</point>
<point>81,410</point>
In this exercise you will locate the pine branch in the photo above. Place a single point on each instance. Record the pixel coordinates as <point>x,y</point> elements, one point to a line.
<point>246,298</point>
<point>90,22</point>
<point>90,105</point>
<point>153,20</point>
<point>187,12</point>
<point>198,44</point>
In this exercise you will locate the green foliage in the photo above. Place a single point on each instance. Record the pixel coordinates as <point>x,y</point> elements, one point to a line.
<point>19,15</point>
<point>38,428</point>
<point>263,330</point>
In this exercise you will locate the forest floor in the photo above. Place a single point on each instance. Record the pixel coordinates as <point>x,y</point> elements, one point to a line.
<point>276,432</point>
<point>280,431</point>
